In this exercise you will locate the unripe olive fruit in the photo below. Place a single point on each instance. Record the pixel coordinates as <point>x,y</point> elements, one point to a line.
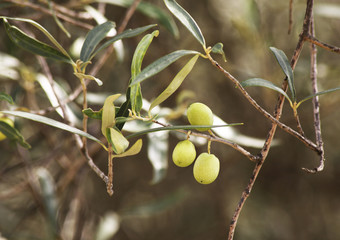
<point>9,122</point>
<point>184,153</point>
<point>200,114</point>
<point>206,168</point>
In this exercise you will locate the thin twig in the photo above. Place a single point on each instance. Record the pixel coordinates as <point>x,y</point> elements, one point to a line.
<point>47,11</point>
<point>326,46</point>
<point>214,138</point>
<point>316,104</point>
<point>284,127</point>
<point>290,16</point>
<point>277,114</point>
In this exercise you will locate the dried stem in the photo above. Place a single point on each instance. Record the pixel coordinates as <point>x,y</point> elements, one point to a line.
<point>316,104</point>
<point>290,16</point>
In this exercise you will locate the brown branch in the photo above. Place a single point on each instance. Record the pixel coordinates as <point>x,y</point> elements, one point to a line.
<point>316,104</point>
<point>326,46</point>
<point>274,120</point>
<point>47,11</point>
<point>277,114</point>
<point>290,25</point>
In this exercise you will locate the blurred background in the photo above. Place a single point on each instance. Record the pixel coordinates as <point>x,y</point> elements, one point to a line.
<point>49,189</point>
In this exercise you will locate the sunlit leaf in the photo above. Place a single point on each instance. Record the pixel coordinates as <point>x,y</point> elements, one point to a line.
<point>318,94</point>
<point>6,97</point>
<point>175,83</point>
<point>93,38</point>
<point>53,123</point>
<point>93,114</point>
<point>287,69</point>
<point>149,10</point>
<point>178,127</point>
<point>218,49</point>
<point>45,32</point>
<point>109,113</point>
<point>118,142</point>
<point>136,66</point>
<point>160,64</point>
<point>259,82</point>
<point>13,134</point>
<point>185,19</point>
<point>126,34</point>
<point>30,44</point>
<point>135,149</point>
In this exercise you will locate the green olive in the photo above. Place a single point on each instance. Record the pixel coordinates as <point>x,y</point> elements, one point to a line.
<point>200,114</point>
<point>9,122</point>
<point>206,168</point>
<point>184,153</point>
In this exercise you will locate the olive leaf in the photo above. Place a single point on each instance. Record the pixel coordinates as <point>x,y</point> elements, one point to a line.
<point>13,134</point>
<point>259,82</point>
<point>109,113</point>
<point>30,44</point>
<point>218,49</point>
<point>56,19</point>
<point>118,142</point>
<point>286,68</point>
<point>318,94</point>
<point>175,83</point>
<point>150,10</point>
<point>53,123</point>
<point>126,34</point>
<point>184,17</point>
<point>93,38</point>
<point>93,114</point>
<point>160,64</point>
<point>45,32</point>
<point>178,127</point>
<point>6,97</point>
<point>136,66</point>
<point>135,149</point>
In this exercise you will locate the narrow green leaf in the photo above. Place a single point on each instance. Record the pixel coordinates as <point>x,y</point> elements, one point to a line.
<point>150,10</point>
<point>161,64</point>
<point>56,19</point>
<point>134,150</point>
<point>218,49</point>
<point>175,83</point>
<point>259,82</point>
<point>287,69</point>
<point>126,34</point>
<point>136,66</point>
<point>6,97</point>
<point>118,142</point>
<point>178,127</point>
<point>184,17</point>
<point>53,123</point>
<point>13,134</point>
<point>44,31</point>
<point>30,44</point>
<point>124,110</point>
<point>318,94</point>
<point>93,114</point>
<point>93,38</point>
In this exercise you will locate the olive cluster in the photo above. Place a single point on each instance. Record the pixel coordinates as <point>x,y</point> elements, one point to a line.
<point>206,166</point>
